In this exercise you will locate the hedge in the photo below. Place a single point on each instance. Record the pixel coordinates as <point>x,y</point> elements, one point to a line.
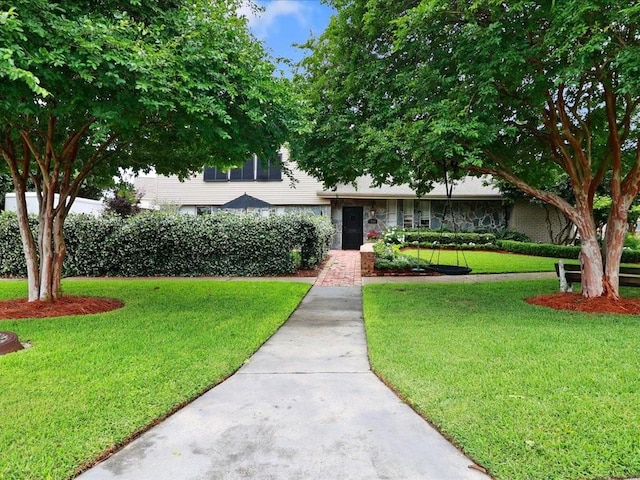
<point>409,236</point>
<point>155,243</point>
<point>557,251</point>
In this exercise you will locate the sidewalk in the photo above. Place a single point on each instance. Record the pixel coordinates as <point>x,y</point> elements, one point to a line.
<point>306,406</point>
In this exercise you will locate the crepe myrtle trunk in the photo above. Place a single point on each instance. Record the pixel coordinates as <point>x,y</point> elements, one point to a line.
<point>44,256</point>
<point>591,264</point>
<point>617,228</point>
<point>29,245</point>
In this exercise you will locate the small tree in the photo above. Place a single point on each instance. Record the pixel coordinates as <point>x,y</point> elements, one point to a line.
<point>87,88</point>
<point>123,200</point>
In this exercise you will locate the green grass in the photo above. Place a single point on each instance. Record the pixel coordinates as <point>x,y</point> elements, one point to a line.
<point>91,381</point>
<point>487,262</point>
<point>528,392</point>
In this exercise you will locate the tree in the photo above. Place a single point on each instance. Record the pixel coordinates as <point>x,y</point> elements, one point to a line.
<point>124,200</point>
<point>88,87</point>
<point>523,90</point>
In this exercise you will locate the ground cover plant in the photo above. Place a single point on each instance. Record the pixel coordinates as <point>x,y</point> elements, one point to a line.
<point>90,381</point>
<point>528,392</point>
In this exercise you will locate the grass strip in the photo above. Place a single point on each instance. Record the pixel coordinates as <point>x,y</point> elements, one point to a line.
<point>89,382</point>
<point>486,262</point>
<point>528,392</point>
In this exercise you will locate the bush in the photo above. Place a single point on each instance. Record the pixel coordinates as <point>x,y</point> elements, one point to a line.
<point>539,249</point>
<point>12,262</point>
<point>426,238</point>
<point>387,258</point>
<point>631,241</point>
<point>155,243</point>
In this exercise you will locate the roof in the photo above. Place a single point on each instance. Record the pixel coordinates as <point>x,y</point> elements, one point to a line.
<point>469,188</point>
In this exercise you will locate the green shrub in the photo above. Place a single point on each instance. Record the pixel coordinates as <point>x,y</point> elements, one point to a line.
<point>12,262</point>
<point>155,243</point>
<point>511,235</point>
<point>631,241</point>
<point>388,258</point>
<point>539,249</point>
<point>409,237</point>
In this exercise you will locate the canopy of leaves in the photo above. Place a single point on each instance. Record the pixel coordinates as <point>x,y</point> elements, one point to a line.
<point>526,90</point>
<point>171,84</point>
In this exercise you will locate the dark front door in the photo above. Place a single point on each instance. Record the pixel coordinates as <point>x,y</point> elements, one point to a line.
<point>352,229</point>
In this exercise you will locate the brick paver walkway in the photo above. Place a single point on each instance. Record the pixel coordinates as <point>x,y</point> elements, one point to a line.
<point>342,269</point>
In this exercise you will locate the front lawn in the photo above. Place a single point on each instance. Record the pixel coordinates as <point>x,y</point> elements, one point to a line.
<point>487,262</point>
<point>528,392</point>
<point>89,382</point>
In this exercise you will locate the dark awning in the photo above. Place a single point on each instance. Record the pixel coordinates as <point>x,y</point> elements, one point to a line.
<point>245,201</point>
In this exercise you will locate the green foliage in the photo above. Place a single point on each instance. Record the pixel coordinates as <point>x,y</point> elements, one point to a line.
<point>177,84</point>
<point>629,254</point>
<point>389,258</point>
<point>12,259</point>
<point>88,88</point>
<point>409,236</point>
<point>632,242</point>
<point>91,381</point>
<point>543,95</point>
<point>155,243</point>
<point>530,393</point>
<point>123,200</point>
<point>539,249</point>
<point>511,235</point>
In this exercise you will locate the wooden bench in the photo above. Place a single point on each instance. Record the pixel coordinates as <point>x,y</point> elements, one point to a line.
<point>628,276</point>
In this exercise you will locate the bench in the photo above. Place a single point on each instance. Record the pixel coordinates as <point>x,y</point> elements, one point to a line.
<point>628,276</point>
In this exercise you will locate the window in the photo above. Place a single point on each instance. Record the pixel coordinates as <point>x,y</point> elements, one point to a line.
<point>252,170</point>
<point>203,210</point>
<point>423,214</point>
<point>212,174</point>
<point>269,172</point>
<point>407,218</point>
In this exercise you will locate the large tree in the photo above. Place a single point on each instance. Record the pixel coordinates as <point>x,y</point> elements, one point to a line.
<point>522,90</point>
<point>90,86</point>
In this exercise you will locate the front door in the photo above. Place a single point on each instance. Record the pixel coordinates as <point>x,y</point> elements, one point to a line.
<point>352,228</point>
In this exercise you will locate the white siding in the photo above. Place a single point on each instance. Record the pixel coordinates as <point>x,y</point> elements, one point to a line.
<point>161,190</point>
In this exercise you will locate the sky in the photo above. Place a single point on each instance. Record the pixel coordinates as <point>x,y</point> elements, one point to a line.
<point>285,22</point>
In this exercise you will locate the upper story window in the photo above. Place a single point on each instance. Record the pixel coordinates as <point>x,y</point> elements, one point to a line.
<point>252,170</point>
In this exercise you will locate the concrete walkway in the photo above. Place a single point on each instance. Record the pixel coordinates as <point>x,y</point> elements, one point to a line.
<point>306,406</point>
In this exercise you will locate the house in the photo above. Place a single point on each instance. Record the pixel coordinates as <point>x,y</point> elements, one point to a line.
<point>355,210</point>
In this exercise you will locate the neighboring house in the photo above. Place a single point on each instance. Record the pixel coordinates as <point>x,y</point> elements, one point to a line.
<point>80,205</point>
<point>356,211</point>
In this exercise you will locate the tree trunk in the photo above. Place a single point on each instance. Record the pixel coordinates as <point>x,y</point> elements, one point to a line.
<point>592,268</point>
<point>29,246</point>
<point>614,243</point>
<point>45,239</point>
<point>59,253</point>
<point>590,257</point>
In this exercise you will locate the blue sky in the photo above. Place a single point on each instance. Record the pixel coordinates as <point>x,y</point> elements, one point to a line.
<point>284,22</point>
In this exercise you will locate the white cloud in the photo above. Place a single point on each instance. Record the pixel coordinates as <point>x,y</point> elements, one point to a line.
<point>263,22</point>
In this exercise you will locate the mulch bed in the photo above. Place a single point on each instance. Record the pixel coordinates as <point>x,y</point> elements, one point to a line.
<point>578,303</point>
<point>74,305</point>
<point>66,305</point>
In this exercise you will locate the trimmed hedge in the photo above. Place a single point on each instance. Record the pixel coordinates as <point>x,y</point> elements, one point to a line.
<point>557,251</point>
<point>155,243</point>
<point>409,236</point>
<point>539,249</point>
